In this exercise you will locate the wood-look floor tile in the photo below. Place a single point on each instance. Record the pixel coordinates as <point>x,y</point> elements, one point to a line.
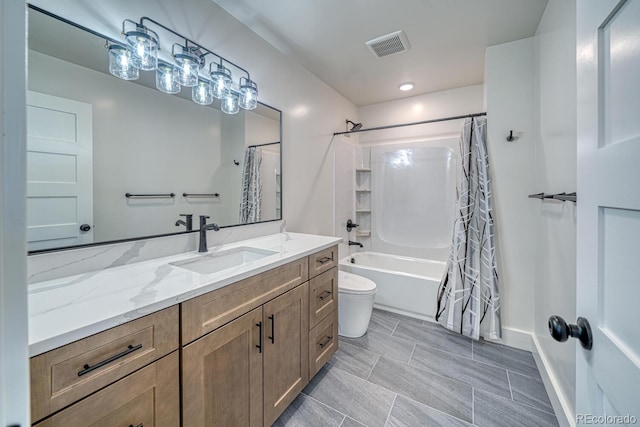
<point>354,359</point>
<point>444,394</point>
<point>494,411</point>
<point>476,374</point>
<point>530,391</point>
<point>434,336</point>
<point>409,413</point>
<point>361,400</point>
<point>383,344</point>
<point>307,412</point>
<point>509,358</point>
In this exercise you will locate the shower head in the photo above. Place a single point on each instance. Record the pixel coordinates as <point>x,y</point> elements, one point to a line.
<point>354,127</point>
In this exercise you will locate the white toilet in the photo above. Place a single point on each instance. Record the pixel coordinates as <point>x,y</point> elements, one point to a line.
<point>355,304</point>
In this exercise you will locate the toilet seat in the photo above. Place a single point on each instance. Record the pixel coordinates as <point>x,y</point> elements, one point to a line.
<point>349,283</point>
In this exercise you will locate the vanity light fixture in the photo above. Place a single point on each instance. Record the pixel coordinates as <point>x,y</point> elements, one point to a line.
<point>405,86</point>
<point>143,44</point>
<point>230,104</point>
<point>189,64</point>
<point>182,68</point>
<point>167,78</point>
<point>220,80</point>
<point>120,63</point>
<point>201,93</point>
<point>248,94</point>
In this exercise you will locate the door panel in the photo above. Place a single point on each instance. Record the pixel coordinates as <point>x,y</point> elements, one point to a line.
<point>608,290</point>
<point>59,171</point>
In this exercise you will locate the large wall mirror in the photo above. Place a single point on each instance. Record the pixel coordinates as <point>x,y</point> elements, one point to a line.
<point>109,159</point>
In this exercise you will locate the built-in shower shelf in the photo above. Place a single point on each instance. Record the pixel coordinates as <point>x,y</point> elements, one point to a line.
<point>363,170</point>
<point>363,233</point>
<point>363,210</point>
<point>363,191</point>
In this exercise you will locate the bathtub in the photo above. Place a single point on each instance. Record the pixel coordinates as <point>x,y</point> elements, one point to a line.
<point>405,285</point>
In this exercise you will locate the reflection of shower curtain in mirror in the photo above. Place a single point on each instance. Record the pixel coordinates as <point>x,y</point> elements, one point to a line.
<point>251,186</point>
<point>468,298</point>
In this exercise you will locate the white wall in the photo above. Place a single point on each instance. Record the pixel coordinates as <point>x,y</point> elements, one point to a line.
<point>509,76</point>
<point>14,362</point>
<point>555,172</point>
<point>312,111</point>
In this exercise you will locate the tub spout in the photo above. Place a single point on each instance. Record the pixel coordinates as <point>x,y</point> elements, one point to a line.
<point>352,243</point>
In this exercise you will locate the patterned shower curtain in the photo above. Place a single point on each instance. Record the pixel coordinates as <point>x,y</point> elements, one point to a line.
<point>251,186</point>
<point>468,297</point>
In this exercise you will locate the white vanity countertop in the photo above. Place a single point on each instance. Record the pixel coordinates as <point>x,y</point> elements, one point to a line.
<point>70,308</point>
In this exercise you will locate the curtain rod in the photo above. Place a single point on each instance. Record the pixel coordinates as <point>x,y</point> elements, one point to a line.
<point>413,124</point>
<point>261,145</point>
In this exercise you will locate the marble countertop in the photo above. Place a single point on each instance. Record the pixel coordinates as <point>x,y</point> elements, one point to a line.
<point>70,308</point>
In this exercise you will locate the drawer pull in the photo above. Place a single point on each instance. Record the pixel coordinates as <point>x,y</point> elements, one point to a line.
<point>139,425</point>
<point>259,346</point>
<point>326,341</point>
<point>324,260</point>
<point>273,327</point>
<point>88,368</point>
<point>323,296</point>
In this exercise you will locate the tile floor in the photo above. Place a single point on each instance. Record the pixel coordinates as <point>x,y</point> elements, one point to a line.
<point>405,372</point>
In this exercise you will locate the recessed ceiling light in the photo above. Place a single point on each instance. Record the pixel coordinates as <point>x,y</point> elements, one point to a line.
<point>406,86</point>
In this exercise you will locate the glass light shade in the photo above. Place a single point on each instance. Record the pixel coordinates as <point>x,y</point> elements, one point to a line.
<point>144,48</point>
<point>201,93</point>
<point>248,95</point>
<point>167,78</point>
<point>230,104</point>
<point>221,82</point>
<point>188,66</point>
<point>120,63</point>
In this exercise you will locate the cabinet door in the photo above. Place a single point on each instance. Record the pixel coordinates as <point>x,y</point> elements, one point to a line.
<point>286,352</point>
<point>222,375</point>
<point>148,397</point>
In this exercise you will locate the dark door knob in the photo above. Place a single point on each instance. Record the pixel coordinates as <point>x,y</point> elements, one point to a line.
<point>560,330</point>
<point>85,227</point>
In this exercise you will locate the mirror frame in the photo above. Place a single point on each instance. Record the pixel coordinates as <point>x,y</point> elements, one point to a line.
<point>133,239</point>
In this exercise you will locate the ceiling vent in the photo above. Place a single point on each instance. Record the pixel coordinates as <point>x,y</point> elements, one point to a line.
<point>389,44</point>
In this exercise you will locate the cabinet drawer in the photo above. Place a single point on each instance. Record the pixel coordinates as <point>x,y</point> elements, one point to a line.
<point>205,313</point>
<point>69,373</point>
<point>323,342</point>
<point>323,296</point>
<point>323,261</point>
<point>148,397</point>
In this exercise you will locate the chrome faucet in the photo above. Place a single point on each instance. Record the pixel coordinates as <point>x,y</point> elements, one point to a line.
<point>188,223</point>
<point>203,232</point>
<point>352,243</point>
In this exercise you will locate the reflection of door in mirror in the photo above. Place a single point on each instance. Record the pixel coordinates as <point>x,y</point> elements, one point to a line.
<point>59,172</point>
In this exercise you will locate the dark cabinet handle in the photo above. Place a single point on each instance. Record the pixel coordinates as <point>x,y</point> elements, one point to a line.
<point>139,425</point>
<point>323,296</point>
<point>88,368</point>
<point>259,346</point>
<point>85,227</point>
<point>326,341</point>
<point>325,260</point>
<point>273,327</point>
<point>560,330</point>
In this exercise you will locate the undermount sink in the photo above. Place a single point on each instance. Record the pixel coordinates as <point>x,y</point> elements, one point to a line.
<point>218,261</point>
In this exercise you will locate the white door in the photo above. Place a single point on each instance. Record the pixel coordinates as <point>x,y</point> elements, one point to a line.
<point>59,172</point>
<point>608,219</point>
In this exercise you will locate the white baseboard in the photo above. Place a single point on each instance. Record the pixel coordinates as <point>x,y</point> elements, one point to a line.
<point>558,400</point>
<point>515,338</point>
